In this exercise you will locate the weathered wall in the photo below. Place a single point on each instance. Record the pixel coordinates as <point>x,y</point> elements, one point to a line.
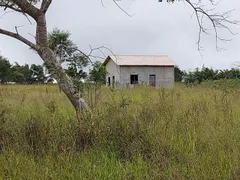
<point>164,75</point>
<point>113,70</point>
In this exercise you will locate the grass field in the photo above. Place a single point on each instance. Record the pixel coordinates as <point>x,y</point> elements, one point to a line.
<point>141,133</point>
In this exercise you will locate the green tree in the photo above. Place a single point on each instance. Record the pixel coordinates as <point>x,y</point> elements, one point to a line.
<point>18,77</point>
<point>61,38</point>
<point>98,73</point>
<point>178,74</point>
<point>4,70</point>
<point>37,75</point>
<point>68,53</point>
<point>21,74</point>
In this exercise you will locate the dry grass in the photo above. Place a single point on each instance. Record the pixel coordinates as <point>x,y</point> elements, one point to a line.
<point>142,133</point>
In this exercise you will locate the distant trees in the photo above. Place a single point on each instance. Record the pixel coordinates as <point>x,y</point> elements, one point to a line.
<point>4,70</point>
<point>98,73</point>
<point>21,74</point>
<point>178,74</point>
<point>34,74</point>
<point>200,75</point>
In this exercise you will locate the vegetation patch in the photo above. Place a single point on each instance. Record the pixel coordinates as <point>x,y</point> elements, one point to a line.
<point>139,133</point>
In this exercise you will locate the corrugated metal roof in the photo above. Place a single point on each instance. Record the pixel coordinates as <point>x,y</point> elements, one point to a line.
<point>141,60</point>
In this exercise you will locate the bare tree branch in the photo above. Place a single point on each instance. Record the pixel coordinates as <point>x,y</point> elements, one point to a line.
<point>14,9</point>
<point>27,8</point>
<point>32,35</point>
<point>16,28</point>
<point>116,3</point>
<point>18,37</point>
<point>61,50</point>
<point>102,3</point>
<point>27,18</point>
<point>10,6</point>
<point>45,5</point>
<point>218,21</point>
<point>6,13</point>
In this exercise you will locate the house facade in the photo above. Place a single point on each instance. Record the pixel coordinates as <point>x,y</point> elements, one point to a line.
<point>129,70</point>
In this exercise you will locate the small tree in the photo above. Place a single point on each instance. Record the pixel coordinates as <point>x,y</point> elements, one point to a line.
<point>98,73</point>
<point>68,54</point>
<point>4,70</point>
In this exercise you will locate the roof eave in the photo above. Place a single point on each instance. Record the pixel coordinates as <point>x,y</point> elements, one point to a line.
<point>146,65</point>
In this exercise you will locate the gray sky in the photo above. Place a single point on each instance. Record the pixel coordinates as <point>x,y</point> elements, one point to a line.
<point>156,28</point>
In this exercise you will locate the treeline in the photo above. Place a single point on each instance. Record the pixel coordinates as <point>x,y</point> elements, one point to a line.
<point>205,74</point>
<point>34,74</point>
<point>21,74</point>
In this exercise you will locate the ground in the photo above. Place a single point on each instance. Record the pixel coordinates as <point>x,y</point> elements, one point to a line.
<point>142,133</point>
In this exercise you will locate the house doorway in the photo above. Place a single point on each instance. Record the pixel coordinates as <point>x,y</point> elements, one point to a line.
<point>113,81</point>
<point>109,81</point>
<point>152,80</point>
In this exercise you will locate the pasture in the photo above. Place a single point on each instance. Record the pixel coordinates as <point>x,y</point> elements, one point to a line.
<point>141,133</point>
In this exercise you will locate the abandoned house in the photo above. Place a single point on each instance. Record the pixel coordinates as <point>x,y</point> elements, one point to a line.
<point>131,70</point>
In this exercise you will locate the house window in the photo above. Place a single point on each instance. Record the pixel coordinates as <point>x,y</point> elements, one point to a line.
<point>133,79</point>
<point>152,80</point>
<point>109,81</point>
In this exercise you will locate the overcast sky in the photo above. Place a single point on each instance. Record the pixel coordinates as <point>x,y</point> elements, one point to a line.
<point>154,29</point>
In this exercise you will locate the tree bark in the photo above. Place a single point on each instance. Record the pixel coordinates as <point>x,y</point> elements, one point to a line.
<point>27,8</point>
<point>41,31</point>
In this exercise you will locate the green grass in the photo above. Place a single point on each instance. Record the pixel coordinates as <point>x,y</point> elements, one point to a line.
<point>141,133</point>
<point>222,84</point>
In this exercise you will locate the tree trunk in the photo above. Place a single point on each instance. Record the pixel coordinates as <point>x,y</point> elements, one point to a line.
<point>48,56</point>
<point>62,78</point>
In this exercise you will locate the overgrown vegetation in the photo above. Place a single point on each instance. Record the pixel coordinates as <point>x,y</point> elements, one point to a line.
<point>141,133</point>
<point>208,74</point>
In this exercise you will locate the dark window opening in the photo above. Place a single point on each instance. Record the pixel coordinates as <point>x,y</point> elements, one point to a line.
<point>134,79</point>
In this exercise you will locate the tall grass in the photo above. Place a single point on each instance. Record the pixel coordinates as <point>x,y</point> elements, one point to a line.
<point>141,133</point>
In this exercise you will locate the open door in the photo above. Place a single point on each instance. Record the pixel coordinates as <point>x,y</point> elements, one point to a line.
<point>113,82</point>
<point>152,80</point>
<point>109,81</point>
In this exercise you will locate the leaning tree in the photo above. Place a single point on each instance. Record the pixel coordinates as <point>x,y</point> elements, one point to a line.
<point>37,9</point>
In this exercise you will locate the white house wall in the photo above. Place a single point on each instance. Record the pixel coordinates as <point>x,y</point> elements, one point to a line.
<point>164,75</point>
<point>113,70</point>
